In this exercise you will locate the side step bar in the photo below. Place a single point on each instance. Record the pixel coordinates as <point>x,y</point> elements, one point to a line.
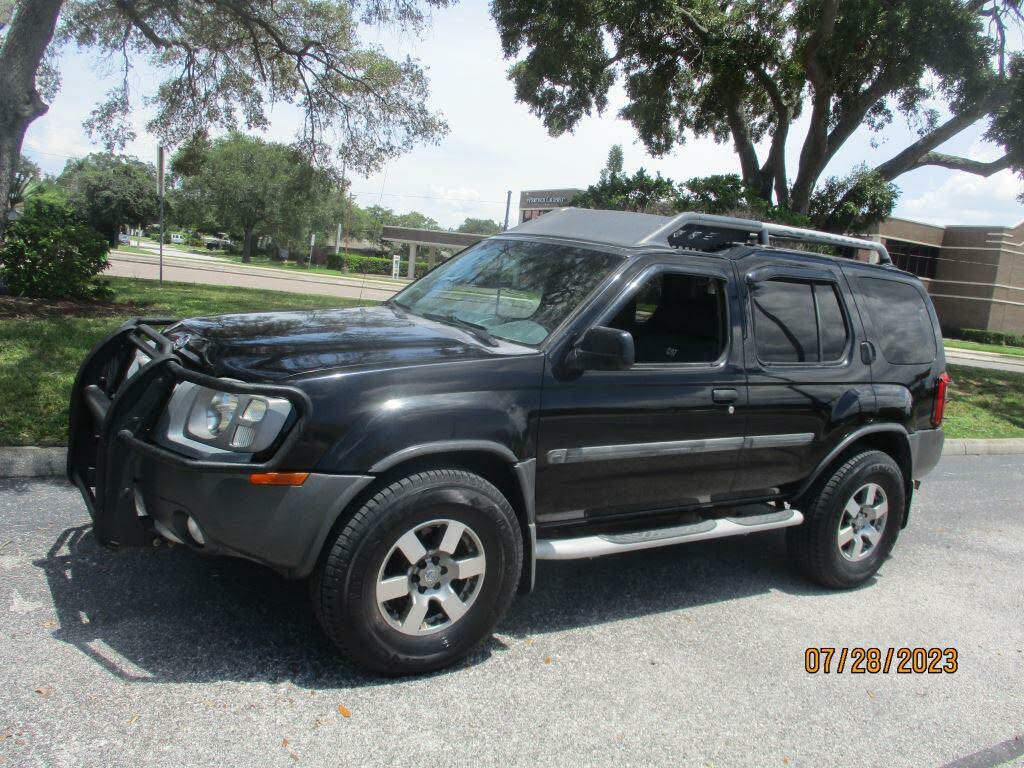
<point>614,543</point>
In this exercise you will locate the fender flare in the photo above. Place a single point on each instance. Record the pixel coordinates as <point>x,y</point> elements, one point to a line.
<point>849,440</point>
<point>524,471</point>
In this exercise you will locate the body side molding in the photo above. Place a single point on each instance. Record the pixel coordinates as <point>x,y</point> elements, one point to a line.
<point>671,447</point>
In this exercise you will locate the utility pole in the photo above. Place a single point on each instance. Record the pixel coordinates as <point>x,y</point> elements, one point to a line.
<point>508,206</point>
<point>160,190</point>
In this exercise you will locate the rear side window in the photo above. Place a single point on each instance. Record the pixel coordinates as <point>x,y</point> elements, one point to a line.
<point>902,323</point>
<point>798,322</point>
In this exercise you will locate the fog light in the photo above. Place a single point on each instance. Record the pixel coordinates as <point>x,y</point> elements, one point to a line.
<point>194,531</point>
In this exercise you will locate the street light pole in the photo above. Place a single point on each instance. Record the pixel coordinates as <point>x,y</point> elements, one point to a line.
<point>508,206</point>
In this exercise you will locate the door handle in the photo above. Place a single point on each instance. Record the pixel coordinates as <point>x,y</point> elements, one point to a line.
<point>867,352</point>
<point>725,395</point>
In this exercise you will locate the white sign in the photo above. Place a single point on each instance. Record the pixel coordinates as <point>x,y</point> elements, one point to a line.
<point>396,265</point>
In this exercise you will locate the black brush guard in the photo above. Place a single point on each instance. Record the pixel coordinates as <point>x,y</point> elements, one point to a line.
<point>111,417</point>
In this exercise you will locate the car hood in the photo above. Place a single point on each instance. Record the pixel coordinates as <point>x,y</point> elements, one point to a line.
<point>277,345</point>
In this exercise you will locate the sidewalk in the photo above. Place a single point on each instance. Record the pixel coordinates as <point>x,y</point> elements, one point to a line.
<point>979,359</point>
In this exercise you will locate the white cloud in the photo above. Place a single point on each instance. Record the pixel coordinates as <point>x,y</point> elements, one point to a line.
<point>964,198</point>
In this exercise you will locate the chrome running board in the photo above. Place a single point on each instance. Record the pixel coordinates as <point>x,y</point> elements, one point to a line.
<point>614,543</point>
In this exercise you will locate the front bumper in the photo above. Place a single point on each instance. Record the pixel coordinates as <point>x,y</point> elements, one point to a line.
<point>136,490</point>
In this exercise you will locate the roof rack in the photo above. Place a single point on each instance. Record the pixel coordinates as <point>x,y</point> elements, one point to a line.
<point>703,231</point>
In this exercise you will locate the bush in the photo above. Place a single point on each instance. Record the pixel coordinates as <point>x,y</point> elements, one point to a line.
<point>49,253</point>
<point>980,336</point>
<point>373,265</point>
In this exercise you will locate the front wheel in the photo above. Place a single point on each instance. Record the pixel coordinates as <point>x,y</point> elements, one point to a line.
<point>851,522</point>
<point>420,575</point>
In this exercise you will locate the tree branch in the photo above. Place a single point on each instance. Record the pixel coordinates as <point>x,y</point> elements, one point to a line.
<point>910,157</point>
<point>977,167</point>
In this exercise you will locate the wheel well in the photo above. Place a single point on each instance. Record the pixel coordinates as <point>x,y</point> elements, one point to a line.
<point>889,442</point>
<point>493,468</point>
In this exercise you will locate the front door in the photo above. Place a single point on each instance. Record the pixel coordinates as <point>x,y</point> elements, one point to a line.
<point>665,434</point>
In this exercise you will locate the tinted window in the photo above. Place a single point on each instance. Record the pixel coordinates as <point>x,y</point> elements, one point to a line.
<point>900,317</point>
<point>675,318</point>
<point>785,327</point>
<point>798,322</point>
<point>833,327</point>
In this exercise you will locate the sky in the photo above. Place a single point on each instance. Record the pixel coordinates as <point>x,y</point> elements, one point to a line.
<point>496,145</point>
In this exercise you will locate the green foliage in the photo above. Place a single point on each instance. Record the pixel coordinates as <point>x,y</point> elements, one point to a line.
<point>110,191</point>
<point>982,336</point>
<point>853,204</point>
<point>26,176</point>
<point>249,186</point>
<point>640,193</point>
<point>479,227</point>
<point>227,63</point>
<point>372,265</point>
<point>754,72</point>
<point>613,165</point>
<point>49,253</point>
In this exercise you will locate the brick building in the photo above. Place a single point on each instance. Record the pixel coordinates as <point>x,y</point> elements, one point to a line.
<point>975,274</point>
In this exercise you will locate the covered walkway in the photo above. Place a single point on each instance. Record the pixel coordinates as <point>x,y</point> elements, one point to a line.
<point>431,239</point>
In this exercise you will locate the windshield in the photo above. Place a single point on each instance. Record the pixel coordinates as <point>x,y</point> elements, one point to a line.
<point>512,289</point>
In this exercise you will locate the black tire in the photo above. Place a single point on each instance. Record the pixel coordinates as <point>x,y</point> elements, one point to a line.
<point>345,581</point>
<point>815,544</point>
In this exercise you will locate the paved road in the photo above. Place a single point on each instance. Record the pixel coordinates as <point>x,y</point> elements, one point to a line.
<point>685,657</point>
<point>214,272</point>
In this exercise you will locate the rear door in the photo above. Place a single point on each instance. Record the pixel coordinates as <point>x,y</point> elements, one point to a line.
<point>807,378</point>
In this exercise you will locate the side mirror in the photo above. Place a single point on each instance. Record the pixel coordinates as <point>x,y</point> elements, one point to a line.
<point>603,349</point>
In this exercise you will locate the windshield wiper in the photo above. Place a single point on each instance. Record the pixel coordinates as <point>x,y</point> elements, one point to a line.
<point>477,329</point>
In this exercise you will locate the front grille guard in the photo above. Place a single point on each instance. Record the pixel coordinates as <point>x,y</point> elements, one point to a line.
<point>112,415</point>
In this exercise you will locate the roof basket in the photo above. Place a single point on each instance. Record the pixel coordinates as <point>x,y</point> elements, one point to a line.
<point>705,232</point>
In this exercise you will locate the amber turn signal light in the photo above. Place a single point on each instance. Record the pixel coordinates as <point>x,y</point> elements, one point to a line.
<point>278,478</point>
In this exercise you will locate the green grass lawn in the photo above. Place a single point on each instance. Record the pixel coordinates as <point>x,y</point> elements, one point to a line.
<point>39,357</point>
<point>1000,349</point>
<point>984,403</point>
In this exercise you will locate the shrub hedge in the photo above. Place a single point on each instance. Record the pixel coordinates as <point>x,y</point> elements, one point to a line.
<point>373,265</point>
<point>49,253</point>
<point>980,336</point>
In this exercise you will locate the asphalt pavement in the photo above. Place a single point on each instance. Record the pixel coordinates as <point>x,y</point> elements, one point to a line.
<point>689,656</point>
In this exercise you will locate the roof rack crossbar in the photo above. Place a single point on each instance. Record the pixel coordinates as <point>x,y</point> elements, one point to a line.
<point>702,229</point>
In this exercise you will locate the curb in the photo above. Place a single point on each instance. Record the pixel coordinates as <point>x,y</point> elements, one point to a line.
<point>50,462</point>
<point>32,462</point>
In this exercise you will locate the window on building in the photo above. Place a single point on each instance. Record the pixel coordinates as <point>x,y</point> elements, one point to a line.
<point>675,318</point>
<point>798,322</point>
<point>902,323</point>
<point>920,260</point>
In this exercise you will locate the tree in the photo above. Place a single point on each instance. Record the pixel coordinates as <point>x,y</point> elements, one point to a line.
<point>479,226</point>
<point>746,70</point>
<point>26,175</point>
<point>613,166</point>
<point>249,185</point>
<point>109,191</point>
<point>640,193</point>
<point>225,63</point>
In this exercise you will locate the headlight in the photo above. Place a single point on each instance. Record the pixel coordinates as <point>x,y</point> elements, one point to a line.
<point>209,423</point>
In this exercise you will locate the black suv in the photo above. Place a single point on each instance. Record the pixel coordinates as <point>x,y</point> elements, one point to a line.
<point>588,383</point>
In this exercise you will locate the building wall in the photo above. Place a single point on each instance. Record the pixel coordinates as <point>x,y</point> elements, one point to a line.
<point>537,202</point>
<point>978,277</point>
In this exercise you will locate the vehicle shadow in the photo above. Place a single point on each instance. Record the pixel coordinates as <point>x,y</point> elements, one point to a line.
<point>171,615</point>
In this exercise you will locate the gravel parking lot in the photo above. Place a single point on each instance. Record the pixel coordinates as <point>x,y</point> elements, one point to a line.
<point>688,656</point>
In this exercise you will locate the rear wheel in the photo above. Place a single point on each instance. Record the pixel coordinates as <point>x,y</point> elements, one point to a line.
<point>851,521</point>
<point>421,574</point>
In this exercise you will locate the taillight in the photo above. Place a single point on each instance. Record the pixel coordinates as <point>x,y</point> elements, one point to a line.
<point>940,399</point>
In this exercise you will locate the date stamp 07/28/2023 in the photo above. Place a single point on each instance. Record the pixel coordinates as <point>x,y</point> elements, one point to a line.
<point>873,661</point>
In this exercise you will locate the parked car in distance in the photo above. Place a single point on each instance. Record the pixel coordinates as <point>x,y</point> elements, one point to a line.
<point>586,384</point>
<point>178,238</point>
<point>123,238</point>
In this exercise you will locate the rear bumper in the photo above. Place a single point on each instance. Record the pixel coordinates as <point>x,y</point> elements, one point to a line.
<point>136,490</point>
